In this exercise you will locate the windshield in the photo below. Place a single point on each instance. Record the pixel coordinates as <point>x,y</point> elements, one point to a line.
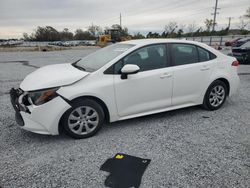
<point>101,57</point>
<point>246,45</point>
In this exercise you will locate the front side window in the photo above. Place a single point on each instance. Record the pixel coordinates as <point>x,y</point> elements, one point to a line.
<point>147,58</point>
<point>183,54</point>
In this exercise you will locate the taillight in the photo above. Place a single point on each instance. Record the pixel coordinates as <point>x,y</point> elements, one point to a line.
<point>235,63</point>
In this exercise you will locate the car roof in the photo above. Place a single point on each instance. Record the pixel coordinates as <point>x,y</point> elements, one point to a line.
<point>245,39</point>
<point>143,42</point>
<point>156,41</point>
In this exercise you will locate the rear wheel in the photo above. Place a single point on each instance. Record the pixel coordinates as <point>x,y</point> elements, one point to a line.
<point>84,119</point>
<point>215,96</point>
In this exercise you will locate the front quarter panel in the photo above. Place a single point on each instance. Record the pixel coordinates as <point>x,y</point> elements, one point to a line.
<point>97,85</point>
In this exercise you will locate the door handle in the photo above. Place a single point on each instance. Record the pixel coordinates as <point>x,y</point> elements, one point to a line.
<point>166,75</point>
<point>205,68</point>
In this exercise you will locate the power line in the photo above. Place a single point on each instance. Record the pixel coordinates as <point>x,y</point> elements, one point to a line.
<point>142,11</point>
<point>169,9</point>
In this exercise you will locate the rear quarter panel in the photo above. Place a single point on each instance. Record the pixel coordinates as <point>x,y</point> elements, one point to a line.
<point>227,71</point>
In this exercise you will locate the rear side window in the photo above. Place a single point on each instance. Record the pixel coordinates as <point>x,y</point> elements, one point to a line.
<point>183,54</point>
<point>204,55</point>
<point>212,56</point>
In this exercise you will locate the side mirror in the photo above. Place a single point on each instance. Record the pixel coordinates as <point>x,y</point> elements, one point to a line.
<point>129,69</point>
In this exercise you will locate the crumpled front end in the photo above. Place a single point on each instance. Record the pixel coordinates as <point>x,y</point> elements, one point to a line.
<point>42,119</point>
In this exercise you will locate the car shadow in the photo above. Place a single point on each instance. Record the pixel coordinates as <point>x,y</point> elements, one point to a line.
<point>153,117</point>
<point>138,121</point>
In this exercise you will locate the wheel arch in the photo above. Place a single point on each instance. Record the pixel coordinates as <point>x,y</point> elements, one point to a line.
<point>221,79</point>
<point>226,82</point>
<point>96,99</point>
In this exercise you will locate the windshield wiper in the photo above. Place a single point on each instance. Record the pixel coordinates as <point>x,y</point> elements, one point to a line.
<point>77,66</point>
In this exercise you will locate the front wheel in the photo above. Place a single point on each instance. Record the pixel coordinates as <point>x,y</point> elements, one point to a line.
<point>84,119</point>
<point>215,96</point>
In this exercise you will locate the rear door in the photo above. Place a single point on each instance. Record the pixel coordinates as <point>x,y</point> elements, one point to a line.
<point>192,69</point>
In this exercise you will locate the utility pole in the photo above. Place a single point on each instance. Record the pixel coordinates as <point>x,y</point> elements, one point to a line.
<point>120,20</point>
<point>229,22</point>
<point>215,13</point>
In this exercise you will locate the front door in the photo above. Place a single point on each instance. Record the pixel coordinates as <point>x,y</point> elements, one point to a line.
<point>149,89</point>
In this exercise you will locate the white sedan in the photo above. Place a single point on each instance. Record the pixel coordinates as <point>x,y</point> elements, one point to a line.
<point>122,81</point>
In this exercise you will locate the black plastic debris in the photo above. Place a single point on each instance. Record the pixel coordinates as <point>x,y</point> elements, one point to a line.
<point>125,171</point>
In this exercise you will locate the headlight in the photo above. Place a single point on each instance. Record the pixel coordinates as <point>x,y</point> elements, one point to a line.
<point>42,96</point>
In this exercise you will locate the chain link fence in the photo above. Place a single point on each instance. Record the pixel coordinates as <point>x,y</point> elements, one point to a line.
<point>216,40</point>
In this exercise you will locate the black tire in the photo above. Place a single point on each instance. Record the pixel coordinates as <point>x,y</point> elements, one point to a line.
<point>81,104</point>
<point>207,104</point>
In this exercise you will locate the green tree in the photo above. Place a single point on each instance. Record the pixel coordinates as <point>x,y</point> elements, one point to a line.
<point>180,32</point>
<point>26,37</point>
<point>164,34</point>
<point>83,35</point>
<point>66,34</point>
<point>209,24</point>
<point>138,36</point>
<point>153,35</point>
<point>46,33</point>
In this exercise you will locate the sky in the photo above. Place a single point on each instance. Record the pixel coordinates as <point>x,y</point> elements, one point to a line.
<point>19,16</point>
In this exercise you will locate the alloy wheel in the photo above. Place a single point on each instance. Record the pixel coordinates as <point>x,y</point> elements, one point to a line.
<point>217,96</point>
<point>83,120</point>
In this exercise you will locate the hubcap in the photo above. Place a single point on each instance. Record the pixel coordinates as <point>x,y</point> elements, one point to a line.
<point>217,96</point>
<point>83,120</point>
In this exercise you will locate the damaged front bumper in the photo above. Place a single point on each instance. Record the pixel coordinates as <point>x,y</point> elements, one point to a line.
<point>42,119</point>
<point>14,97</point>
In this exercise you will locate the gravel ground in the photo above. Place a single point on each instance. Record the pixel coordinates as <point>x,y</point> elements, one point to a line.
<point>190,147</point>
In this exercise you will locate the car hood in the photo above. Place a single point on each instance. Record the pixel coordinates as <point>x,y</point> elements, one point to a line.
<point>52,76</point>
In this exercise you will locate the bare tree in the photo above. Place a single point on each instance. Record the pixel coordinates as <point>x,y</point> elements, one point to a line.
<point>191,28</point>
<point>182,27</point>
<point>171,27</point>
<point>242,23</point>
<point>95,30</point>
<point>247,15</point>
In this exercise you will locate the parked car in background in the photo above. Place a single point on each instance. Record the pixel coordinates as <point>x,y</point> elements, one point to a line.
<point>90,43</point>
<point>122,81</point>
<point>66,44</point>
<point>11,42</point>
<point>56,43</point>
<point>82,43</point>
<point>241,42</point>
<point>232,42</point>
<point>242,53</point>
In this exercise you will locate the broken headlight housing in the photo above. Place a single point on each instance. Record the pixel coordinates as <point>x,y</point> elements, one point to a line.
<point>42,96</point>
